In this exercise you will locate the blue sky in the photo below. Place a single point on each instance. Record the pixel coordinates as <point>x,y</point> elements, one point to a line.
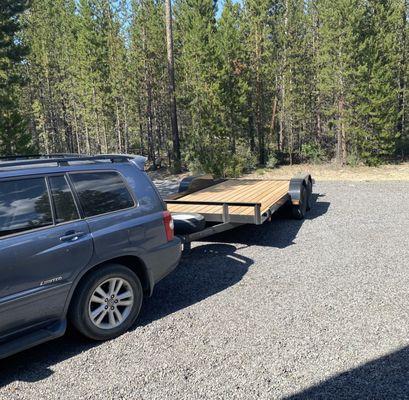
<point>220,6</point>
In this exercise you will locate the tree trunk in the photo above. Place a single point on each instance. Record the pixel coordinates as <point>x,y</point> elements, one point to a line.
<point>87,139</point>
<point>118,128</point>
<point>141,134</point>
<point>403,76</point>
<point>171,72</point>
<point>149,119</point>
<point>283,111</point>
<point>148,105</point>
<point>126,133</point>
<point>341,135</point>
<point>259,93</point>
<point>273,119</point>
<point>77,137</point>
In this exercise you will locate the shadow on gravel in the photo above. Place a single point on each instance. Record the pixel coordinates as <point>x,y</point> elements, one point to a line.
<point>385,378</point>
<point>33,365</point>
<point>279,233</point>
<point>209,269</point>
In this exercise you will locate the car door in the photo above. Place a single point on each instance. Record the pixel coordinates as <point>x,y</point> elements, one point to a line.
<point>43,244</point>
<point>111,212</point>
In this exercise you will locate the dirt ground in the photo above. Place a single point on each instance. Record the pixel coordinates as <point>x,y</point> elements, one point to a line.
<point>324,172</point>
<point>331,172</point>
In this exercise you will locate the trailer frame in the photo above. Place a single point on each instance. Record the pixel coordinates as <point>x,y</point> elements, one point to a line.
<point>298,197</point>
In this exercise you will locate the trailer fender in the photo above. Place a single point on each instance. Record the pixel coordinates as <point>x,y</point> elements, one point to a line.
<point>192,184</point>
<point>300,192</point>
<point>187,223</point>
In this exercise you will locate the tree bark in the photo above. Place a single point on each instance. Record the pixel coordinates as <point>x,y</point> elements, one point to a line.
<point>273,119</point>
<point>171,72</point>
<point>341,135</point>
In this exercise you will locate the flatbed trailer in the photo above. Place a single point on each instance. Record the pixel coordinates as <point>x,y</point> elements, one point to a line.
<point>228,203</point>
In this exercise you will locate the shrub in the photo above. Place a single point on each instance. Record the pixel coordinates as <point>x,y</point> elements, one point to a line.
<point>242,161</point>
<point>353,159</point>
<point>313,153</point>
<point>272,161</point>
<point>216,158</point>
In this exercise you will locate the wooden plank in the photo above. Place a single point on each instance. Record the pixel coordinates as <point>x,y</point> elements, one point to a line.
<point>249,195</point>
<point>227,190</point>
<point>279,191</point>
<point>250,192</point>
<point>267,199</point>
<point>266,192</point>
<point>255,197</point>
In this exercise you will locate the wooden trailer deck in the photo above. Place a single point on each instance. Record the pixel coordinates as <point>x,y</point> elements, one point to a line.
<point>259,196</point>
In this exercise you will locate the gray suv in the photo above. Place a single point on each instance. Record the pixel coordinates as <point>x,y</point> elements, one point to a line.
<point>82,238</point>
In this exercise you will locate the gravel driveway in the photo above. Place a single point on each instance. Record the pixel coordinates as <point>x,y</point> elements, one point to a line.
<point>296,310</point>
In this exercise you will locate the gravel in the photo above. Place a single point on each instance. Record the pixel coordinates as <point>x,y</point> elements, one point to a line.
<point>297,310</point>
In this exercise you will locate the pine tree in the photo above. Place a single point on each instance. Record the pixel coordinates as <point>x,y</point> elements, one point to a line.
<point>403,70</point>
<point>176,157</point>
<point>150,78</point>
<point>49,72</point>
<point>376,87</point>
<point>293,80</point>
<point>296,77</point>
<point>13,135</point>
<point>207,146</point>
<point>233,84</point>
<point>339,43</point>
<point>259,51</point>
<point>89,77</point>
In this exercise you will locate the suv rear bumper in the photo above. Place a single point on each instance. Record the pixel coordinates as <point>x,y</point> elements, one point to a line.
<point>162,260</point>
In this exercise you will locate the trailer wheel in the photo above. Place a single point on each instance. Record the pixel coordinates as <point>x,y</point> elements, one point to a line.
<point>309,195</point>
<point>299,210</point>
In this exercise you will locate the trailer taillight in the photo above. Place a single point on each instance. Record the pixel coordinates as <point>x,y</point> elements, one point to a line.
<point>168,222</point>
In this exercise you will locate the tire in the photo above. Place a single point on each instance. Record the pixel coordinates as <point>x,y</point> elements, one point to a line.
<point>186,223</point>
<point>309,195</point>
<point>299,211</point>
<point>89,303</point>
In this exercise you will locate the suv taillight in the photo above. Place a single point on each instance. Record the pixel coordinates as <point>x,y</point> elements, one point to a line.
<point>168,222</point>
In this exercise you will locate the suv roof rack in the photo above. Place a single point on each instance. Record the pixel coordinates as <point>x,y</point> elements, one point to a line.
<point>35,156</point>
<point>63,159</point>
<point>49,155</point>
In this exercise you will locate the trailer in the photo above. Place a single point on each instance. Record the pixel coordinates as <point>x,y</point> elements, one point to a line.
<point>227,203</point>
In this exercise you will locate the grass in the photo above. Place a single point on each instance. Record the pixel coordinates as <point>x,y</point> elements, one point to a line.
<point>332,172</point>
<point>321,172</point>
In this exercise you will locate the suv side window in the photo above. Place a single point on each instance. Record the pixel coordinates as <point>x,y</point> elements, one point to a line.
<point>24,205</point>
<point>64,205</point>
<point>101,192</point>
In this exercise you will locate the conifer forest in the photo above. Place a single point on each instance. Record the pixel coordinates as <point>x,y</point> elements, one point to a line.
<point>214,86</point>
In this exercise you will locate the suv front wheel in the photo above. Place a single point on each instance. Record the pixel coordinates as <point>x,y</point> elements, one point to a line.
<point>107,302</point>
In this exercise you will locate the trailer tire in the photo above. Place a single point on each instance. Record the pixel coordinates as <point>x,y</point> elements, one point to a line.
<point>186,223</point>
<point>309,195</point>
<point>299,210</point>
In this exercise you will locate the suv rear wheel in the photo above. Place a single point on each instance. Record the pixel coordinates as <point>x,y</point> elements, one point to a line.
<point>107,302</point>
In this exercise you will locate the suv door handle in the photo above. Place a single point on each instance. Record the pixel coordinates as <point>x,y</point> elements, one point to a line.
<point>72,236</point>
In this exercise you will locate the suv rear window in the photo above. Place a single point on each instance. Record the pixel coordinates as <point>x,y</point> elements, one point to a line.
<point>24,205</point>
<point>101,192</point>
<point>65,209</point>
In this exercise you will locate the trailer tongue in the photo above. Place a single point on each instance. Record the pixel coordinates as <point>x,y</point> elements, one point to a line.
<point>233,202</point>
